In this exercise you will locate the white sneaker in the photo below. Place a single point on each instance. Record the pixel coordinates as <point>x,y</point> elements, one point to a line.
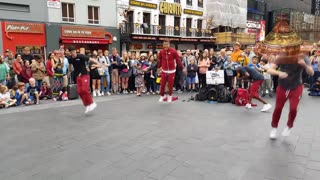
<point>266,107</point>
<point>161,99</point>
<point>92,106</point>
<point>98,93</point>
<point>102,93</point>
<point>94,93</point>
<point>109,94</point>
<point>87,109</point>
<point>273,133</point>
<point>151,76</point>
<point>169,99</point>
<point>286,132</point>
<point>248,106</point>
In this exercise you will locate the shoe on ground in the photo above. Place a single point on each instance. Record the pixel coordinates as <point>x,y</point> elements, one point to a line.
<point>273,133</point>
<point>169,99</point>
<point>94,93</point>
<point>266,107</point>
<point>109,94</point>
<point>98,93</point>
<point>161,98</point>
<point>102,93</point>
<point>248,106</point>
<point>92,106</point>
<point>286,132</point>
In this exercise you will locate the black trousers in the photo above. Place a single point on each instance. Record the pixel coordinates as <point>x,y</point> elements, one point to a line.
<point>202,80</point>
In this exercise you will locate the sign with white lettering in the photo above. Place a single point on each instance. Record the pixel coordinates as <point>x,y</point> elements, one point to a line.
<point>54,4</point>
<point>19,27</point>
<point>77,31</point>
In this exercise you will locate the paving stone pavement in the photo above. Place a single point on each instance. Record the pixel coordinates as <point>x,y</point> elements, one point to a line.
<point>137,138</point>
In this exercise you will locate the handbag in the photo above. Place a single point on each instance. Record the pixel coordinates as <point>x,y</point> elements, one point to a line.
<point>101,71</point>
<point>158,80</point>
<point>125,70</point>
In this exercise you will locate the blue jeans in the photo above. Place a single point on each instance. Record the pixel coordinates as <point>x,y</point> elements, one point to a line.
<point>107,77</point>
<point>3,82</point>
<point>39,83</point>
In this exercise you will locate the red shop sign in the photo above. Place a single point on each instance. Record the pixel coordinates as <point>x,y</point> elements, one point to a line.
<point>19,27</point>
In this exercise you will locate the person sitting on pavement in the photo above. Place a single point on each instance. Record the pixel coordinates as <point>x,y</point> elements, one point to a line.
<point>45,91</point>
<point>5,99</point>
<point>315,88</point>
<point>34,91</point>
<point>21,96</point>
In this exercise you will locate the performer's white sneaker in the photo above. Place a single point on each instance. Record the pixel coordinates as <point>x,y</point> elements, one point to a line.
<point>248,106</point>
<point>286,132</point>
<point>273,133</point>
<point>87,109</point>
<point>161,98</point>
<point>92,106</point>
<point>169,99</point>
<point>266,107</point>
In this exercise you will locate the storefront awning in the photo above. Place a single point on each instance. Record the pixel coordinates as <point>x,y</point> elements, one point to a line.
<point>68,40</point>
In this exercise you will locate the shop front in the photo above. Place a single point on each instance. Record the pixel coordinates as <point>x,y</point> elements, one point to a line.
<point>90,38</point>
<point>17,35</point>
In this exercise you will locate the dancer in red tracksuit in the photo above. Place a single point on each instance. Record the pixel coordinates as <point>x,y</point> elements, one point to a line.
<point>168,59</point>
<point>290,88</point>
<point>80,65</point>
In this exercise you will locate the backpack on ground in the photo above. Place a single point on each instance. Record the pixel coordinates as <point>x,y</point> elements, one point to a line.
<point>224,95</point>
<point>213,94</point>
<point>202,95</point>
<point>242,97</point>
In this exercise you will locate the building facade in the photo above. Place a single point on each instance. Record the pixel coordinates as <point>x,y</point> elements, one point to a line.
<point>45,25</point>
<point>22,24</point>
<point>145,23</point>
<point>83,23</point>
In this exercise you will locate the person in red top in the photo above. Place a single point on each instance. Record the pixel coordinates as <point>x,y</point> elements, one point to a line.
<point>49,69</point>
<point>168,59</point>
<point>17,67</point>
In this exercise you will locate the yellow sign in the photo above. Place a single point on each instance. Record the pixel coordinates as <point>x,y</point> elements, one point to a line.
<point>193,12</point>
<point>170,8</point>
<point>143,4</point>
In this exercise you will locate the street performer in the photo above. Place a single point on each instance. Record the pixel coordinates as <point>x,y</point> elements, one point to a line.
<point>283,47</point>
<point>80,65</point>
<point>168,59</point>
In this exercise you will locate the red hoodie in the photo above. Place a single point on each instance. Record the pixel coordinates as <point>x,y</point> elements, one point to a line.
<point>168,59</point>
<point>49,69</point>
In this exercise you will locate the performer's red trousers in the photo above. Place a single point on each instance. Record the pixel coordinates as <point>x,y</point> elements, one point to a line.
<point>83,83</point>
<point>165,77</point>
<point>294,97</point>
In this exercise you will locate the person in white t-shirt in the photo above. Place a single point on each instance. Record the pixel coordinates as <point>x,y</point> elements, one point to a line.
<point>266,85</point>
<point>104,60</point>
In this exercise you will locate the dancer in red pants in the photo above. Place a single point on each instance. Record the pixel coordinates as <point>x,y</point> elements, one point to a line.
<point>168,59</point>
<point>290,87</point>
<point>79,63</point>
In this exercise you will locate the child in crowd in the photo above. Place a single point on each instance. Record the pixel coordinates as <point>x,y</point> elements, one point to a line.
<point>315,88</point>
<point>21,96</point>
<point>63,95</point>
<point>34,91</point>
<point>45,91</point>
<point>5,99</point>
<point>138,73</point>
<point>191,74</point>
<point>255,63</point>
<point>266,85</point>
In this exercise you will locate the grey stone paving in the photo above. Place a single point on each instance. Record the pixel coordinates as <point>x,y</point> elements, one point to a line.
<point>132,138</point>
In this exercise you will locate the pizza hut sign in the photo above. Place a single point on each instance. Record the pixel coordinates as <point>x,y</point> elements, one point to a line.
<point>18,27</point>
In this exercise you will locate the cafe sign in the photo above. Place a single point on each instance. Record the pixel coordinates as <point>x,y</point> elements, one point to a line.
<point>143,4</point>
<point>18,27</point>
<point>170,8</point>
<point>193,12</point>
<point>77,31</point>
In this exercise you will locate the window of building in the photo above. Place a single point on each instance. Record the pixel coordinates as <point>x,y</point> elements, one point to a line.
<point>200,3</point>
<point>177,1</point>
<point>93,15</point>
<point>189,2</point>
<point>68,12</point>
<point>14,7</point>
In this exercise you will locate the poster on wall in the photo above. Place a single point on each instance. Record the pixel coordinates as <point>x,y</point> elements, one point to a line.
<point>262,31</point>
<point>54,4</point>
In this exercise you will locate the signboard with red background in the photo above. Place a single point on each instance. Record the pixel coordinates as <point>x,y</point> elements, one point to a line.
<point>22,34</point>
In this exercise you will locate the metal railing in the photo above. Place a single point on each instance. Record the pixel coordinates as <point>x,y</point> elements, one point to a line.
<point>147,29</point>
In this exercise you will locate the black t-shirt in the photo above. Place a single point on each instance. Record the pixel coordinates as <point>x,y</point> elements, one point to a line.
<point>28,57</point>
<point>254,74</point>
<point>32,90</point>
<point>294,72</point>
<point>79,64</point>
